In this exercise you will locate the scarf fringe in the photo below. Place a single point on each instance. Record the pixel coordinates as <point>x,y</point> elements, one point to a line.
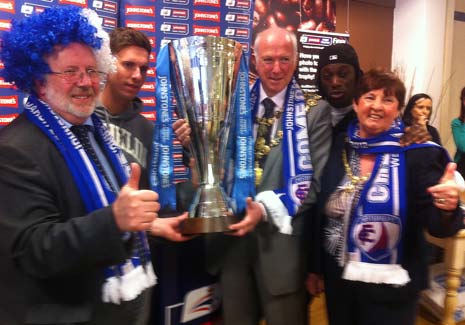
<point>132,283</point>
<point>111,291</point>
<point>151,276</point>
<point>129,285</point>
<point>393,274</point>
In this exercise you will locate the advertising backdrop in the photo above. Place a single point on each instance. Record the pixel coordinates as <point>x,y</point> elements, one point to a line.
<point>186,294</point>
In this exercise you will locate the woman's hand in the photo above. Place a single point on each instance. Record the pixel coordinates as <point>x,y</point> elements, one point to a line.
<point>422,121</point>
<point>446,193</point>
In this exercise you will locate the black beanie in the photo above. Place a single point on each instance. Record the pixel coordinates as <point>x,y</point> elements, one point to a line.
<point>339,53</point>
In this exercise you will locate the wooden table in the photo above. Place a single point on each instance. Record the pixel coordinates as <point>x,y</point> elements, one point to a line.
<point>454,260</point>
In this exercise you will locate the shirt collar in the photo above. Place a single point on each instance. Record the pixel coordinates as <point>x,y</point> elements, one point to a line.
<point>278,99</point>
<point>68,125</point>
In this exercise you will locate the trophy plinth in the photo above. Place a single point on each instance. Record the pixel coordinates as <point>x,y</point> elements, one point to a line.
<point>204,225</point>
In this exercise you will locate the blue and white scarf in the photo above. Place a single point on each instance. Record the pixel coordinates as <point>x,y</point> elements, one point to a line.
<point>126,281</point>
<point>374,230</point>
<point>297,165</point>
<point>239,150</point>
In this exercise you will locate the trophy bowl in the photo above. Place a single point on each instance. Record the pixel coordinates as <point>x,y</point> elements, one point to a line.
<point>204,72</point>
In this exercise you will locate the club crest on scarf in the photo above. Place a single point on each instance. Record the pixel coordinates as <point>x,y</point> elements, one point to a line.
<point>300,187</point>
<point>377,236</point>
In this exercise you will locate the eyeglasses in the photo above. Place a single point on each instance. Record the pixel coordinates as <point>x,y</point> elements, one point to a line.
<point>74,75</point>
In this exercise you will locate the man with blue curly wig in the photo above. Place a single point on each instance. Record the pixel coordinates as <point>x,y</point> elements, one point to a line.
<point>73,248</point>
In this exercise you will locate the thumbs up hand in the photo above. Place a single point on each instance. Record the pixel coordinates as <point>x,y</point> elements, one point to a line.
<point>446,193</point>
<point>135,209</point>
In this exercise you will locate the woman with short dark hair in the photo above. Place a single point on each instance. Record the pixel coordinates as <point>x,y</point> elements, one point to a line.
<point>376,203</point>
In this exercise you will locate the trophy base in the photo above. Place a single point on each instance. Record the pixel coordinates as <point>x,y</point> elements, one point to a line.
<point>201,225</point>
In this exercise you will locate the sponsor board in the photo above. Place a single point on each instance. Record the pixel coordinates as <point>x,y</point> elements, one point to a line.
<point>174,13</point>
<point>5,24</point>
<point>7,119</point>
<point>109,22</point>
<point>239,4</point>
<point>237,32</point>
<point>237,18</point>
<point>148,101</point>
<point>140,10</point>
<point>141,25</point>
<point>177,2</point>
<point>206,30</point>
<point>106,6</point>
<point>210,3</point>
<point>148,86</point>
<point>7,6</point>
<point>171,28</point>
<point>9,101</point>
<point>151,116</point>
<point>207,15</point>
<point>28,8</point>
<point>6,85</point>
<point>80,3</point>
<point>151,72</point>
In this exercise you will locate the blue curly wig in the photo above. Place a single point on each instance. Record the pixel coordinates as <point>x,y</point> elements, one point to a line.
<point>30,39</point>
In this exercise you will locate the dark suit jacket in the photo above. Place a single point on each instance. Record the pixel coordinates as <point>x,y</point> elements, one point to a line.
<point>52,253</point>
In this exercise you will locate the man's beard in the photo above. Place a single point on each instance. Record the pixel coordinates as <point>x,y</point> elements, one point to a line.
<point>60,102</point>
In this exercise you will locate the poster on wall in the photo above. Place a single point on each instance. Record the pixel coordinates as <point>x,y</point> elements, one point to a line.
<point>310,43</point>
<point>294,15</point>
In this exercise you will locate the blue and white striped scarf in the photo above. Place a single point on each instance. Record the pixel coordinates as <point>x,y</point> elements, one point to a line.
<point>126,281</point>
<point>297,165</point>
<point>374,231</point>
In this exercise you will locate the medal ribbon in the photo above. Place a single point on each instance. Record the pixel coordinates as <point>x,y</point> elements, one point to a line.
<point>161,169</point>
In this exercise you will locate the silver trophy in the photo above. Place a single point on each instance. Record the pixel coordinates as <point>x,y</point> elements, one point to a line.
<point>204,71</point>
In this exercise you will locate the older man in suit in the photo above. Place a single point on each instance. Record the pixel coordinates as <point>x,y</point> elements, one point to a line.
<point>72,217</point>
<point>262,273</point>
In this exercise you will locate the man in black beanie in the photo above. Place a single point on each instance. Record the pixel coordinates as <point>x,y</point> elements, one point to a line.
<point>338,73</point>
